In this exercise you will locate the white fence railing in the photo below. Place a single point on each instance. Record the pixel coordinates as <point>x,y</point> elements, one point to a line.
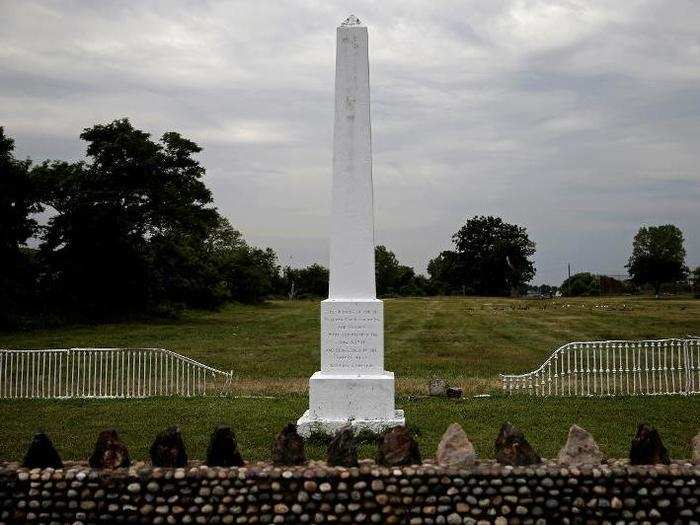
<point>612,368</point>
<point>105,373</point>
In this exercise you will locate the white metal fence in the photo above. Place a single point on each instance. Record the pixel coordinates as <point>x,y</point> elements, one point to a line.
<point>105,373</point>
<point>611,368</point>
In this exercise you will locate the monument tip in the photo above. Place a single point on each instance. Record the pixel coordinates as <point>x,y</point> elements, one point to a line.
<point>351,21</point>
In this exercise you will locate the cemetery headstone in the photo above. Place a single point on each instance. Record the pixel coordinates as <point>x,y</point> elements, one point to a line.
<point>437,387</point>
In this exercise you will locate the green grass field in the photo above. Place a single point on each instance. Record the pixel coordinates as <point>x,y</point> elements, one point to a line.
<point>273,349</point>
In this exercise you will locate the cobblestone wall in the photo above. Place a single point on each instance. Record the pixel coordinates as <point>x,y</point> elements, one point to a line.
<point>425,494</point>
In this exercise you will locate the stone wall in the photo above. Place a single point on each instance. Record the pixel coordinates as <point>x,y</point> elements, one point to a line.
<point>425,494</point>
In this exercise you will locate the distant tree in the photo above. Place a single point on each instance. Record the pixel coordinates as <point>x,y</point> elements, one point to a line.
<point>422,286</point>
<point>248,274</point>
<point>254,273</point>
<point>392,277</point>
<point>580,284</point>
<point>576,285</point>
<point>491,257</point>
<point>546,289</point>
<point>189,271</point>
<point>310,281</point>
<point>541,289</point>
<point>444,273</point>
<point>658,256</point>
<point>610,285</point>
<point>19,200</point>
<point>588,284</point>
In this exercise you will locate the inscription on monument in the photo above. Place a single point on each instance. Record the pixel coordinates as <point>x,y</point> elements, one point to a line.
<point>352,337</point>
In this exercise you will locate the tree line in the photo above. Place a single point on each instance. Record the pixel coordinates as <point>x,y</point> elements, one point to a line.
<point>657,260</point>
<point>132,229</point>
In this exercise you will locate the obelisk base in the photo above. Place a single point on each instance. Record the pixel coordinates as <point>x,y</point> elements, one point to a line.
<point>366,402</point>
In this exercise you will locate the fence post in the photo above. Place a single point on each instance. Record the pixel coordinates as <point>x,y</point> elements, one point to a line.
<point>686,367</point>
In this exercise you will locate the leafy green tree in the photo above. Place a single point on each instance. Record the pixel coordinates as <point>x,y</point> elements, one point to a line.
<point>422,286</point>
<point>310,281</point>
<point>247,274</point>
<point>546,289</point>
<point>491,257</point>
<point>132,229</point>
<point>580,284</point>
<point>610,286</point>
<point>19,200</point>
<point>444,273</point>
<point>658,256</point>
<point>130,225</point>
<point>392,277</point>
<point>588,284</point>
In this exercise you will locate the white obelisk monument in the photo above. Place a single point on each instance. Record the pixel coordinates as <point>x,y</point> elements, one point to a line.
<point>352,385</point>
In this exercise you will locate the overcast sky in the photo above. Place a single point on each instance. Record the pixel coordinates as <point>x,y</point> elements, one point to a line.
<point>578,120</point>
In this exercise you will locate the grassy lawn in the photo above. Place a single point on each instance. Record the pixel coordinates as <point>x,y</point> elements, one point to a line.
<point>275,347</point>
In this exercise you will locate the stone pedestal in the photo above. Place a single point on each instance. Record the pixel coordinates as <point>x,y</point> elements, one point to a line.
<point>364,402</point>
<point>352,385</point>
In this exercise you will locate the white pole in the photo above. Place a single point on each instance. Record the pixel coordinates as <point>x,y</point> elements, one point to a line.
<point>139,383</point>
<point>5,359</point>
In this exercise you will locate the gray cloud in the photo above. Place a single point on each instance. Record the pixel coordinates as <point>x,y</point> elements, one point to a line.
<point>576,119</point>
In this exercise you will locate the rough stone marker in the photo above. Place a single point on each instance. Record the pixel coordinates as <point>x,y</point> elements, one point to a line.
<point>352,385</point>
